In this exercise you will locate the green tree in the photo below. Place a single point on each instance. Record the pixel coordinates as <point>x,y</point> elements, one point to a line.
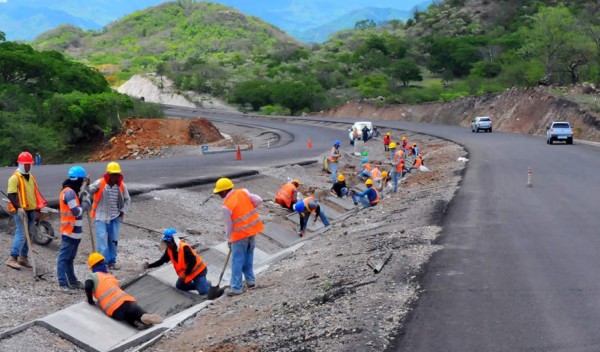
<point>365,24</point>
<point>255,92</point>
<point>2,36</point>
<point>295,95</point>
<point>405,70</point>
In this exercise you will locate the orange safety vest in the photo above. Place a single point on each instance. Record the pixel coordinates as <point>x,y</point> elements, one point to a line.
<point>399,160</point>
<point>180,264</point>
<point>306,201</point>
<point>109,295</point>
<point>98,195</point>
<point>285,194</point>
<point>40,201</point>
<point>368,166</point>
<point>376,200</point>
<point>355,132</point>
<point>418,163</point>
<point>404,144</point>
<point>246,222</point>
<point>67,219</point>
<point>376,173</point>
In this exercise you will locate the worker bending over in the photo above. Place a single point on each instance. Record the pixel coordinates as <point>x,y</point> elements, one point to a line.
<point>287,195</point>
<point>304,208</point>
<point>189,266</point>
<point>112,299</point>
<point>385,178</point>
<point>368,198</point>
<point>339,189</point>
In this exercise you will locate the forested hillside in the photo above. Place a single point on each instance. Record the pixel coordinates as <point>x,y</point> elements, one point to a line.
<point>454,48</point>
<point>52,105</point>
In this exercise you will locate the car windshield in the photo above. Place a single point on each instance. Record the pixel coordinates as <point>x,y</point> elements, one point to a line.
<point>484,119</point>
<point>561,125</point>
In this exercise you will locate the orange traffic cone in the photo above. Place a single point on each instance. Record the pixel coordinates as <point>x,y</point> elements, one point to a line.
<point>238,155</point>
<point>309,144</point>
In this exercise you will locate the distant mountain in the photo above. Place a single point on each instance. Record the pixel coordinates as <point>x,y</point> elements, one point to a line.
<point>348,21</point>
<point>293,16</point>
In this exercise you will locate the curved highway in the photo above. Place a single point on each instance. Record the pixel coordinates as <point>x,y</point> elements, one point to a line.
<point>518,270</point>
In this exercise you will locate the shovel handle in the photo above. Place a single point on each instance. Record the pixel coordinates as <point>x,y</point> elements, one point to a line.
<point>29,244</point>
<point>224,267</point>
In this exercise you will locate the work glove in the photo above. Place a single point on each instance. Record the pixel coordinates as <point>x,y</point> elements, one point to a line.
<point>229,245</point>
<point>121,215</point>
<point>86,203</point>
<point>146,265</point>
<point>21,212</point>
<point>84,194</point>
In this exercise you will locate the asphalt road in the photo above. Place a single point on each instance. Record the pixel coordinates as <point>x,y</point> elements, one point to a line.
<point>519,267</point>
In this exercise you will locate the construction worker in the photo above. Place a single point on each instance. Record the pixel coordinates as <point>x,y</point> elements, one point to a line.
<point>304,208</point>
<point>365,134</point>
<point>404,144</point>
<point>415,150</point>
<point>111,202</point>
<point>385,178</point>
<point>355,137</point>
<point>71,228</point>
<point>398,168</point>
<point>339,189</point>
<point>189,266</point>
<point>334,159</point>
<point>392,148</point>
<point>417,164</point>
<point>287,195</point>
<point>365,169</point>
<point>376,173</point>
<point>386,141</point>
<point>24,198</point>
<point>368,198</point>
<point>242,224</point>
<point>112,299</point>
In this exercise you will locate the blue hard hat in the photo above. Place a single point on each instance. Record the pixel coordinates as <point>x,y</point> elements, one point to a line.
<point>168,234</point>
<point>299,206</point>
<point>337,143</point>
<point>365,160</point>
<point>77,172</point>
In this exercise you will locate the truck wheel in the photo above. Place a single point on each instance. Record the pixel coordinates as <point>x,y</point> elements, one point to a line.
<point>570,140</point>
<point>43,234</point>
<point>550,141</point>
<point>490,130</point>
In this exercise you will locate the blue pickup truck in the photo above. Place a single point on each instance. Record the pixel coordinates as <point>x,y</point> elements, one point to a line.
<point>559,131</point>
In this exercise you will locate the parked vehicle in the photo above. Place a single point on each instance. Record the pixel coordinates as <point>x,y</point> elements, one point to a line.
<point>43,233</point>
<point>360,126</point>
<point>481,123</point>
<point>559,131</point>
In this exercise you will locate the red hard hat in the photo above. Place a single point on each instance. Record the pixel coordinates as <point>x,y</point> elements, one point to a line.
<point>25,158</point>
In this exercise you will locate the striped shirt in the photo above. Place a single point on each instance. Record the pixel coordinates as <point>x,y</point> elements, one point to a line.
<point>114,193</point>
<point>70,199</point>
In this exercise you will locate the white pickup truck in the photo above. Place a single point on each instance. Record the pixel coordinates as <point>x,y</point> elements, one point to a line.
<point>559,131</point>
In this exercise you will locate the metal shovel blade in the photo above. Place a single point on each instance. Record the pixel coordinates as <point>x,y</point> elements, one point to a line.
<point>215,292</point>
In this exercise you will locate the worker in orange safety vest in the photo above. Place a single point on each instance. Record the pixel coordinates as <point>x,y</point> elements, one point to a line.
<point>288,195</point>
<point>242,224</point>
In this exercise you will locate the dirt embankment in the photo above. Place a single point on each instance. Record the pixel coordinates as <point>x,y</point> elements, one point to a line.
<point>144,138</point>
<point>516,110</point>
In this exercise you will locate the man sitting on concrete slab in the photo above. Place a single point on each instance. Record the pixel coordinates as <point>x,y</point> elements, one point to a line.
<point>112,299</point>
<point>189,266</point>
<point>369,198</point>
<point>305,208</point>
<point>339,189</point>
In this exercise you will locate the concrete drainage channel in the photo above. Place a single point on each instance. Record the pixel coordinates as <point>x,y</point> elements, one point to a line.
<point>88,328</point>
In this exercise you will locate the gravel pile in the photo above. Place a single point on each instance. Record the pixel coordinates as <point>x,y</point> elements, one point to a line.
<point>37,339</point>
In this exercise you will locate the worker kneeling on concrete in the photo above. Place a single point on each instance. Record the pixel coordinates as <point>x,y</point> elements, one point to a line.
<point>369,198</point>
<point>112,299</point>
<point>287,195</point>
<point>189,266</point>
<point>305,208</point>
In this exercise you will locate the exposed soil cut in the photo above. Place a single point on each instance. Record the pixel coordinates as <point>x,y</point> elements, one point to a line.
<point>143,138</point>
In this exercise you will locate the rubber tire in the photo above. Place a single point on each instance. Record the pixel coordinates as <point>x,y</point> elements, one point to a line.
<point>490,130</point>
<point>569,140</point>
<point>550,141</point>
<point>472,130</point>
<point>47,228</point>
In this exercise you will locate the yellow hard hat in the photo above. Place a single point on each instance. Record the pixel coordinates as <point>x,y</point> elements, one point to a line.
<point>384,173</point>
<point>341,177</point>
<point>296,181</point>
<point>393,145</point>
<point>403,138</point>
<point>388,134</point>
<point>94,259</point>
<point>414,144</point>
<point>369,182</point>
<point>113,168</point>
<point>223,184</point>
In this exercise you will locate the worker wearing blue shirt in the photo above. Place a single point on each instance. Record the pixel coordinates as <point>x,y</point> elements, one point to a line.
<point>369,198</point>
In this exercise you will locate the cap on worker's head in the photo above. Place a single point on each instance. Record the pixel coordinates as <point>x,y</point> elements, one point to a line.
<point>223,184</point>
<point>168,234</point>
<point>337,143</point>
<point>113,168</point>
<point>403,138</point>
<point>296,181</point>
<point>25,158</point>
<point>365,160</point>
<point>392,145</point>
<point>94,259</point>
<point>76,172</point>
<point>299,206</point>
<point>341,178</point>
<point>388,134</point>
<point>369,182</point>
<point>384,174</point>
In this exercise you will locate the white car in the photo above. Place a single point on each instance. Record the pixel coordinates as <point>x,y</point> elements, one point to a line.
<point>481,123</point>
<point>360,126</point>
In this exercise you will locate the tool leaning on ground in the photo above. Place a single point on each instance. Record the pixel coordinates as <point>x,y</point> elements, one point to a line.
<point>29,244</point>
<point>216,291</point>
<point>89,220</point>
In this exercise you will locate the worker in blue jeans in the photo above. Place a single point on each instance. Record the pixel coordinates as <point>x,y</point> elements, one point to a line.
<point>304,208</point>
<point>189,266</point>
<point>368,198</point>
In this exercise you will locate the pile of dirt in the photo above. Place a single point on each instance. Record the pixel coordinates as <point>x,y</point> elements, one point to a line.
<point>145,138</point>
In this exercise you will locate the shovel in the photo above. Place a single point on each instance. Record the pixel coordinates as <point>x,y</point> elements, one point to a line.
<point>89,220</point>
<point>31,254</point>
<point>215,292</point>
